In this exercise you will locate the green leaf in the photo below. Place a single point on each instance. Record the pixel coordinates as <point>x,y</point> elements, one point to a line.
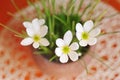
<point>58,18</point>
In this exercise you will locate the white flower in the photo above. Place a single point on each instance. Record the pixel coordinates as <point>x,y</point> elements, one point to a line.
<point>86,34</point>
<point>64,50</point>
<point>36,32</point>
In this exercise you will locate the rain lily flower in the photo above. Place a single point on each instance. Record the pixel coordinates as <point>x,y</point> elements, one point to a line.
<point>86,34</point>
<point>64,48</point>
<point>36,31</point>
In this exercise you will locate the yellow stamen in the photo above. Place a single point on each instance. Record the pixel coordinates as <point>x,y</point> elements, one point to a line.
<point>85,35</point>
<point>66,49</point>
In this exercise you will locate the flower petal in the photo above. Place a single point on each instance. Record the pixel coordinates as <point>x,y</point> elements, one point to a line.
<point>79,54</point>
<point>95,32</point>
<point>63,58</point>
<point>78,35</point>
<point>36,25</point>
<point>68,37</point>
<point>41,22</point>
<point>74,46</point>
<point>43,30</point>
<point>58,51</point>
<point>73,56</point>
<point>36,45</point>
<point>30,32</point>
<point>26,41</point>
<point>92,41</point>
<point>83,43</point>
<point>27,24</point>
<point>60,42</point>
<point>79,27</point>
<point>44,42</point>
<point>88,25</point>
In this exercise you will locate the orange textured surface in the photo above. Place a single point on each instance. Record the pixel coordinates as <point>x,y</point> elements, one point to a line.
<point>16,62</point>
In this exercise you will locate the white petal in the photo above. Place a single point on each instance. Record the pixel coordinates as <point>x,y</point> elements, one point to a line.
<point>63,58</point>
<point>58,51</point>
<point>92,41</point>
<point>60,42</point>
<point>79,27</point>
<point>95,32</point>
<point>78,35</point>
<point>68,37</point>
<point>88,25</point>
<point>30,32</point>
<point>26,41</point>
<point>36,25</point>
<point>73,56</point>
<point>74,46</point>
<point>79,54</point>
<point>36,45</point>
<point>44,42</point>
<point>41,22</point>
<point>43,30</point>
<point>83,43</point>
<point>27,24</point>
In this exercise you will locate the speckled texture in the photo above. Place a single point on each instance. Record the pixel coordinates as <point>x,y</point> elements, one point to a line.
<point>17,63</point>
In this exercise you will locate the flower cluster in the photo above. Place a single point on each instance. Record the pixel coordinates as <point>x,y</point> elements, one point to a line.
<point>37,30</point>
<point>86,34</point>
<point>62,32</point>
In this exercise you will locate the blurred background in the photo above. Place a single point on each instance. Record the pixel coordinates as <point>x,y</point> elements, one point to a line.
<point>6,6</point>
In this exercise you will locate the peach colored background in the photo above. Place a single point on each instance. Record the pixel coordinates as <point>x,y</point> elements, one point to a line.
<point>6,6</point>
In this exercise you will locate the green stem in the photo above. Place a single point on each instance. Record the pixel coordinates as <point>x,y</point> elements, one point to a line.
<point>53,25</point>
<point>53,5</point>
<point>112,15</point>
<point>80,5</point>
<point>73,27</point>
<point>68,19</point>
<point>114,32</point>
<point>84,11</point>
<point>50,28</point>
<point>100,60</point>
<point>45,7</point>
<point>36,7</point>
<point>71,7</point>
<point>18,10</point>
<point>46,50</point>
<point>51,59</point>
<point>12,30</point>
<point>92,8</point>
<point>85,65</point>
<point>99,18</point>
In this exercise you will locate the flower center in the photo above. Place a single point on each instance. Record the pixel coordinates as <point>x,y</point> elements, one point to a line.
<point>36,38</point>
<point>85,35</point>
<point>66,49</point>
